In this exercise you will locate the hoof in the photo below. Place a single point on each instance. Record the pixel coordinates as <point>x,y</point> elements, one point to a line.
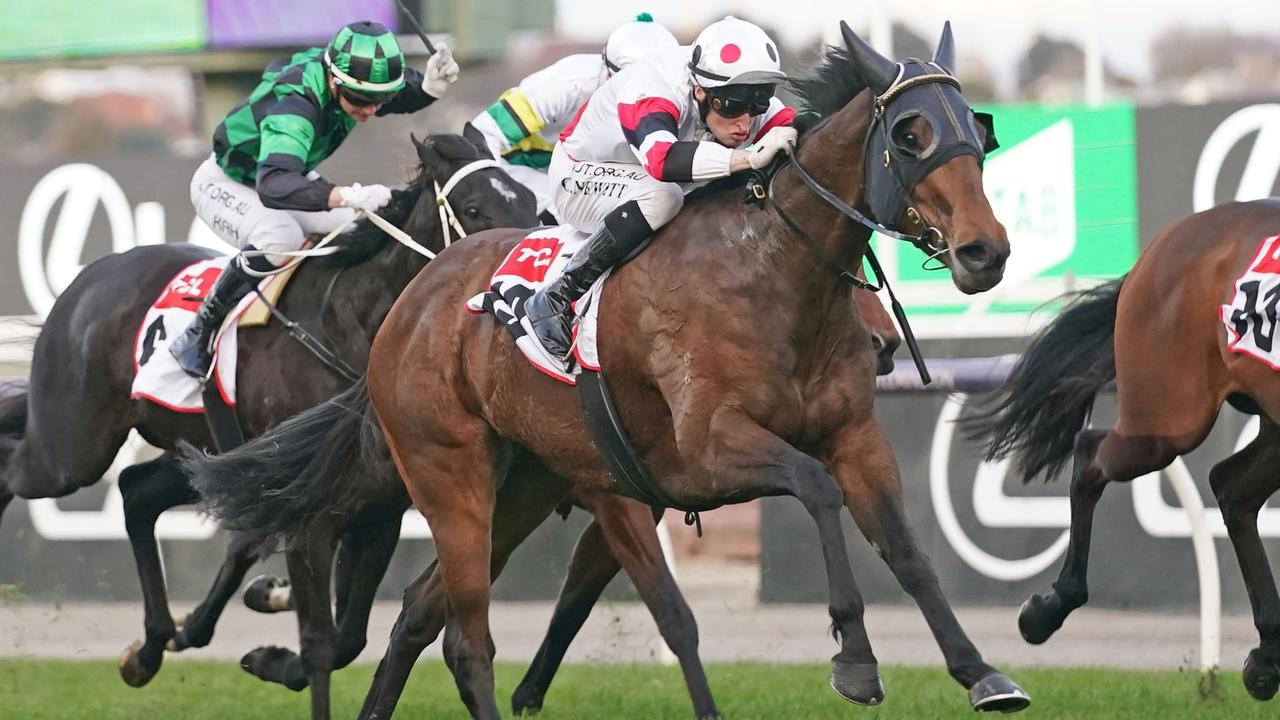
<point>272,664</point>
<point>132,670</point>
<point>1034,621</point>
<point>268,594</point>
<point>859,683</point>
<point>525,702</point>
<point>1261,677</point>
<point>997,692</point>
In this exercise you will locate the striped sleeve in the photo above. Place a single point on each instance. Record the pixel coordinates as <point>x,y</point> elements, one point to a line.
<point>514,117</point>
<point>650,126</point>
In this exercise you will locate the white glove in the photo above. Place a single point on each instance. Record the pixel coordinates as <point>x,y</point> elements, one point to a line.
<point>781,138</point>
<point>365,197</point>
<point>442,71</point>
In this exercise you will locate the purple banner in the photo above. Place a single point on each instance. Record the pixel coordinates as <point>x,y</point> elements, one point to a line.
<point>283,23</point>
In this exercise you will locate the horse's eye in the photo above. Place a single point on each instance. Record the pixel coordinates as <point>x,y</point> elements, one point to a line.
<point>472,212</point>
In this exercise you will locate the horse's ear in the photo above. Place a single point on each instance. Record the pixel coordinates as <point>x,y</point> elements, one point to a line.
<point>476,138</point>
<point>417,144</point>
<point>878,71</point>
<point>945,55</point>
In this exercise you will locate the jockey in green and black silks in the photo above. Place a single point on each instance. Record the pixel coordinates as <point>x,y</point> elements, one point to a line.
<point>259,191</point>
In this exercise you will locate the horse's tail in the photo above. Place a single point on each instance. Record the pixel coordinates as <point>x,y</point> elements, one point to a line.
<point>1047,399</point>
<point>13,426</point>
<point>328,460</point>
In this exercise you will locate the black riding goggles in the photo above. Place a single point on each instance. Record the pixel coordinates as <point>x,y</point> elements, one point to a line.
<point>732,101</point>
<point>361,100</point>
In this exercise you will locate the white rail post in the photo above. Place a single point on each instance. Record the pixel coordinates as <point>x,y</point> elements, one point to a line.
<point>1207,570</point>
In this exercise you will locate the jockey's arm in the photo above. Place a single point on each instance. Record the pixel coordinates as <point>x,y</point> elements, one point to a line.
<point>287,133</point>
<point>548,97</point>
<point>650,126</point>
<point>411,98</point>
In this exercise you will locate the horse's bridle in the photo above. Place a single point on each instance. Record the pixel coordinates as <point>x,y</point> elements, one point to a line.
<point>448,218</point>
<point>931,241</point>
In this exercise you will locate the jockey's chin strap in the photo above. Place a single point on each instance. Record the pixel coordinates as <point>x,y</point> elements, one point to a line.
<point>448,218</point>
<point>843,273</point>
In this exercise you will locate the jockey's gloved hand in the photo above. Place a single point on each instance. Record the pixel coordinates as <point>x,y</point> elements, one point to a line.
<point>442,71</point>
<point>777,139</point>
<point>365,197</point>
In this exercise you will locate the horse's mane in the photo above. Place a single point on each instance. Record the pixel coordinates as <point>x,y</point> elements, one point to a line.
<point>366,239</point>
<point>828,86</point>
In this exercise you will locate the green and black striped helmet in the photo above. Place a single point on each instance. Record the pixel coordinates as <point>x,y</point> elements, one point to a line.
<point>365,57</point>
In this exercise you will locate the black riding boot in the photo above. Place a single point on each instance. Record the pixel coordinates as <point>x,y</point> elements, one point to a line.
<point>194,348</point>
<point>550,311</point>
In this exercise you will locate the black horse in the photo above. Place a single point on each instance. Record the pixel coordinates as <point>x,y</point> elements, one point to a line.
<point>77,412</point>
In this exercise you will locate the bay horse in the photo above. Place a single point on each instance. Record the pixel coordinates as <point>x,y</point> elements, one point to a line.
<point>620,536</point>
<point>736,359</point>
<point>1167,400</point>
<point>66,429</point>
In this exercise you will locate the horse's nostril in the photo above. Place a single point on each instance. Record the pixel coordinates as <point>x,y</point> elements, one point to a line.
<point>877,342</point>
<point>975,255</point>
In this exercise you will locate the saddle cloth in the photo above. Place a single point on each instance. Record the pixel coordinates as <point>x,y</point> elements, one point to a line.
<point>1250,318</point>
<point>537,260</point>
<point>157,376</point>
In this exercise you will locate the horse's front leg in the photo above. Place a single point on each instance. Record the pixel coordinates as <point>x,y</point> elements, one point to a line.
<point>864,464</point>
<point>743,458</point>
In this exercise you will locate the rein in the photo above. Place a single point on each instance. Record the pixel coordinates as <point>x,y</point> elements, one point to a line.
<point>899,313</point>
<point>323,351</point>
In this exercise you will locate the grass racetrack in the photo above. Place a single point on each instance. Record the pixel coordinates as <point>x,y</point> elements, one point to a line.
<point>33,689</point>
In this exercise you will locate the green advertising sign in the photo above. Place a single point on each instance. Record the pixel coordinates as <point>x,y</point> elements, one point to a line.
<point>1064,185</point>
<point>49,28</point>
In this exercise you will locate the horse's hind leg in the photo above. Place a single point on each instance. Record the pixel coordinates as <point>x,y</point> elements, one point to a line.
<point>363,557</point>
<point>1242,483</point>
<point>149,489</point>
<point>627,528</point>
<point>527,497</point>
<point>592,568</point>
<point>451,481</point>
<point>1101,457</point>
<point>868,473</point>
<point>197,628</point>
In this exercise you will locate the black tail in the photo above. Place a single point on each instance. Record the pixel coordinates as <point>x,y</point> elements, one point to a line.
<point>1047,399</point>
<point>13,414</point>
<point>13,425</point>
<point>329,460</point>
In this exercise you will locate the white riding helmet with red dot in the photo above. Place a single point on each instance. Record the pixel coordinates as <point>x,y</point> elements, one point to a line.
<point>635,40</point>
<point>735,52</point>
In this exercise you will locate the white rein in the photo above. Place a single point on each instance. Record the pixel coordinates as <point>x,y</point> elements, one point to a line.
<point>448,219</point>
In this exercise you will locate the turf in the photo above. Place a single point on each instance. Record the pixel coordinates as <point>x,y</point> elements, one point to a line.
<point>45,690</point>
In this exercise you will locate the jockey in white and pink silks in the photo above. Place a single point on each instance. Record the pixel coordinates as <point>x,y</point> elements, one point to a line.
<point>652,133</point>
<point>521,128</point>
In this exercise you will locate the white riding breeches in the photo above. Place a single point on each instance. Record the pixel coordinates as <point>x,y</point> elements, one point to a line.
<point>583,192</point>
<point>236,214</point>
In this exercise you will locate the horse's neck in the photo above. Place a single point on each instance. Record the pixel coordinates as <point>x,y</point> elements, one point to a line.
<point>381,279</point>
<point>832,155</point>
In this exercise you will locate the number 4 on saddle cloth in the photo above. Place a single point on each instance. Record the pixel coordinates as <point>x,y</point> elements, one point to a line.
<point>534,262</point>
<point>1251,316</point>
<point>157,376</point>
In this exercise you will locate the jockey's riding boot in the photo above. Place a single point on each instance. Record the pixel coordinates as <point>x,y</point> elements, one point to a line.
<point>194,348</point>
<point>550,309</point>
